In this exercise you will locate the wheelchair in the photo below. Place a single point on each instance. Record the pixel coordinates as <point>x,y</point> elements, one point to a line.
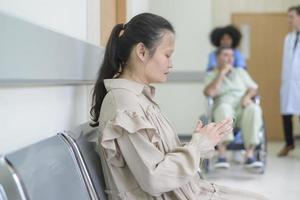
<point>237,143</point>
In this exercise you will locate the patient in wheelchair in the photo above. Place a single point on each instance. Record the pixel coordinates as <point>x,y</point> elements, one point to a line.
<point>232,90</point>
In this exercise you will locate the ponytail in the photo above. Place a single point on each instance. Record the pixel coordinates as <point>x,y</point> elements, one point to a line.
<point>110,67</point>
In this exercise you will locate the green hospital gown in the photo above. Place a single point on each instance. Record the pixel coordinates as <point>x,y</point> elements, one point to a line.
<point>228,104</point>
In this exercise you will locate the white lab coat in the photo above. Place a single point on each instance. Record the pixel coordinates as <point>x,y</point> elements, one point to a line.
<point>290,80</point>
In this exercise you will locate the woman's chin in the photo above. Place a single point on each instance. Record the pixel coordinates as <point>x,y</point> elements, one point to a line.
<point>160,79</point>
<point>163,79</point>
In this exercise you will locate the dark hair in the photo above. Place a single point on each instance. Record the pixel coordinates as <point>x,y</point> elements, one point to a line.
<point>295,8</point>
<point>217,34</point>
<point>221,49</point>
<point>146,28</point>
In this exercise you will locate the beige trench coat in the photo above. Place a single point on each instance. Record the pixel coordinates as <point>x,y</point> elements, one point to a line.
<point>142,156</point>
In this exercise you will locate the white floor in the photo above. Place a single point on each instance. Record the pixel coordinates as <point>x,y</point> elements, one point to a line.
<point>281,180</point>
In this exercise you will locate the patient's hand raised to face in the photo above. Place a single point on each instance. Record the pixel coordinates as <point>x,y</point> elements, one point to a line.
<point>225,69</point>
<point>215,131</point>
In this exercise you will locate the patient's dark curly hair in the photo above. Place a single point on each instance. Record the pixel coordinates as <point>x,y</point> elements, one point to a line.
<point>217,34</point>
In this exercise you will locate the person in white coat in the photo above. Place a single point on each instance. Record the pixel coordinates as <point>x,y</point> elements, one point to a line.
<point>290,83</point>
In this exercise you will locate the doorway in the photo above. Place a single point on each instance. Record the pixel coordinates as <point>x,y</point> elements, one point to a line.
<point>112,12</point>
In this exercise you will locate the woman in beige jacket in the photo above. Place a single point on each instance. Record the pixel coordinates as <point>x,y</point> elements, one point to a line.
<point>141,154</point>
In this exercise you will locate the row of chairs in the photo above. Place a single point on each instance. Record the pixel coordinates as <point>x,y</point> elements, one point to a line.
<point>64,166</point>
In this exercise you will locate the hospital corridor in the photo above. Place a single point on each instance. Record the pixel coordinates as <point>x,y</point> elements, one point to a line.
<point>149,99</point>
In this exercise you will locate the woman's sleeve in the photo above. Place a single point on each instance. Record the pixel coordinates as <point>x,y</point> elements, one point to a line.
<point>155,171</point>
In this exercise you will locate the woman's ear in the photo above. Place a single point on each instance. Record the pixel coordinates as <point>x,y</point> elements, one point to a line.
<point>141,52</point>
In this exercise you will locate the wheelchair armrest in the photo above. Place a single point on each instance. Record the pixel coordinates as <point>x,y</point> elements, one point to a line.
<point>210,104</point>
<point>210,101</point>
<point>256,99</point>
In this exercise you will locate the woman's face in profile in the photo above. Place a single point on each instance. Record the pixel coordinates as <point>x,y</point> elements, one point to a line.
<point>158,66</point>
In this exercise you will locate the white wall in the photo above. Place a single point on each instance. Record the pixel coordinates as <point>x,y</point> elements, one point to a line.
<point>29,114</point>
<point>192,21</point>
<point>32,113</point>
<point>93,22</point>
<point>182,103</point>
<point>65,16</point>
<point>135,7</point>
